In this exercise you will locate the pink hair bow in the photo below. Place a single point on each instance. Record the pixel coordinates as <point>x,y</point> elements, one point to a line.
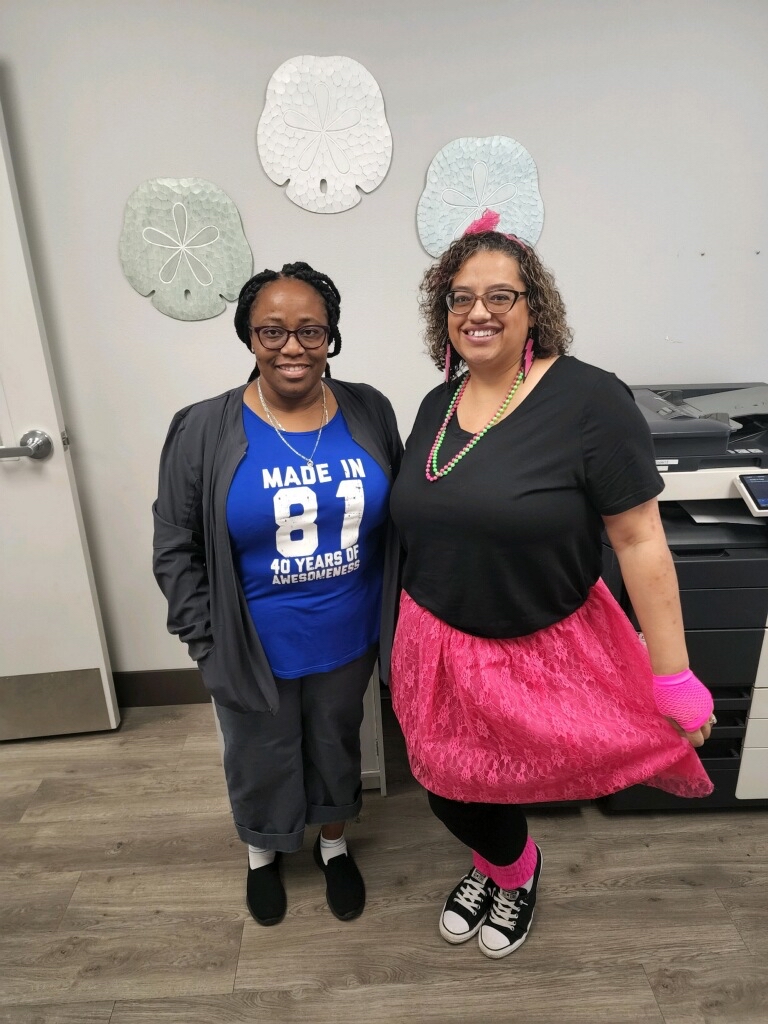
<point>489,222</point>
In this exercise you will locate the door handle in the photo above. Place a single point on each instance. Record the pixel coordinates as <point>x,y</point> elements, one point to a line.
<point>34,445</point>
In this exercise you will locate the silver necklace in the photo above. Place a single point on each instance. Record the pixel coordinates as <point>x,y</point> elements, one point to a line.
<point>280,429</point>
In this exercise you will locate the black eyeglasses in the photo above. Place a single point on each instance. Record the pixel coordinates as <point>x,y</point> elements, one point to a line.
<point>271,336</point>
<point>500,300</point>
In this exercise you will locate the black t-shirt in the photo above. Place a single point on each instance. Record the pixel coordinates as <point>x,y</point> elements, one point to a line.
<point>510,540</point>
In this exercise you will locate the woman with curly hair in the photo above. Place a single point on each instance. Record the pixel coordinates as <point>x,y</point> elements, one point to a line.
<point>516,677</point>
<point>274,549</point>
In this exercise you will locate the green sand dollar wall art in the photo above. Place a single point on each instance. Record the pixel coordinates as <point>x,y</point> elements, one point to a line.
<point>182,243</point>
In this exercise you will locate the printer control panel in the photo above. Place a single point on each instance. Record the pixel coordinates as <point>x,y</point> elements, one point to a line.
<point>753,488</point>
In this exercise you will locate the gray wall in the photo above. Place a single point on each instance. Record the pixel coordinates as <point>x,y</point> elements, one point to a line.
<point>646,120</point>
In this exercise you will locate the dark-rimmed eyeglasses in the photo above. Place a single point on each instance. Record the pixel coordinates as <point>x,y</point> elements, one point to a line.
<point>499,300</point>
<point>309,336</point>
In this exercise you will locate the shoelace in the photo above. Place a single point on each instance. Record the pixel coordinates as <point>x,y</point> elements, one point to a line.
<point>505,908</point>
<point>471,893</point>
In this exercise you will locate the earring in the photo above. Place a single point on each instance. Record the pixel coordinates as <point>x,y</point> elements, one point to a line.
<point>527,356</point>
<point>448,353</point>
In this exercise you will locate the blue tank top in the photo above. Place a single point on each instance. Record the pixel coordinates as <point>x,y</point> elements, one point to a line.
<point>308,544</point>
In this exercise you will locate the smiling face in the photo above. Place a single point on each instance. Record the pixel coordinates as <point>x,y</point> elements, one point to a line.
<point>291,374</point>
<point>490,342</point>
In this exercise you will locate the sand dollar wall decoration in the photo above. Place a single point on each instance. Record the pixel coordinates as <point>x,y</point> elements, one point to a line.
<point>183,244</point>
<point>324,132</point>
<point>469,176</point>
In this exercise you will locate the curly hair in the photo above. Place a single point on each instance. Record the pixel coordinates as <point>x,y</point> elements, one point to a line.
<point>551,333</point>
<point>322,284</point>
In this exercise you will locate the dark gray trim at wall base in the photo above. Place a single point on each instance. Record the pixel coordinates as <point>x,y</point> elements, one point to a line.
<point>162,686</point>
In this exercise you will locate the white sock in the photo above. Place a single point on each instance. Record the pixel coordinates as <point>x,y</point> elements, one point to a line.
<point>258,858</point>
<point>332,847</point>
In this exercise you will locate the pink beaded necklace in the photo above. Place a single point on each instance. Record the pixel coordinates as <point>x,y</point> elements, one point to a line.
<point>432,471</point>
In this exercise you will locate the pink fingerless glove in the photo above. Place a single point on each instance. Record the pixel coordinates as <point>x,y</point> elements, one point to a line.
<point>684,698</point>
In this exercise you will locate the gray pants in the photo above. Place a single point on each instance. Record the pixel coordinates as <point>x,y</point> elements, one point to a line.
<point>301,766</point>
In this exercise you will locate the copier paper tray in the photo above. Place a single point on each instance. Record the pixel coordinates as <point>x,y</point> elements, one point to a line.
<point>684,534</point>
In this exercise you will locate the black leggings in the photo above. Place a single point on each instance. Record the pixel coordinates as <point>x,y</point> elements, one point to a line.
<point>497,832</point>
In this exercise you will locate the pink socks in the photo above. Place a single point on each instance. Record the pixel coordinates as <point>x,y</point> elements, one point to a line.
<point>510,876</point>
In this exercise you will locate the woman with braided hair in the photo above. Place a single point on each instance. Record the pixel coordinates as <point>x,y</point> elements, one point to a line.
<point>515,675</point>
<point>274,550</point>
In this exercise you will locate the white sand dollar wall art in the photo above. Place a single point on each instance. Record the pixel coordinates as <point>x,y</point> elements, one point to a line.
<point>469,176</point>
<point>324,132</point>
<point>183,244</point>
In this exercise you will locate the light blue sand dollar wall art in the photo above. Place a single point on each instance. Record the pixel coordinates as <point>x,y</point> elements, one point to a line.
<point>183,243</point>
<point>471,175</point>
<point>324,133</point>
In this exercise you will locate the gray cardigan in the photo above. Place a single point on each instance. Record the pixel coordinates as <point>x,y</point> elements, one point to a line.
<point>193,561</point>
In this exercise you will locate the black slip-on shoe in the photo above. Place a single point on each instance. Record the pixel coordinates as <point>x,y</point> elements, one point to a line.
<point>344,885</point>
<point>264,893</point>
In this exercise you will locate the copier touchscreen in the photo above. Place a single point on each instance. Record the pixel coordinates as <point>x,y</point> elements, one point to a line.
<point>754,490</point>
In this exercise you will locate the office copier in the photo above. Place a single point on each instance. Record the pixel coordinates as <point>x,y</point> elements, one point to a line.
<point>711,444</point>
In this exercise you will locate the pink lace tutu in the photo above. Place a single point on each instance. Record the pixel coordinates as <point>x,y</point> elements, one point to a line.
<point>565,713</point>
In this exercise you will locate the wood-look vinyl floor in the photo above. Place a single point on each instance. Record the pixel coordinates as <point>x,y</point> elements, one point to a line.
<point>121,902</point>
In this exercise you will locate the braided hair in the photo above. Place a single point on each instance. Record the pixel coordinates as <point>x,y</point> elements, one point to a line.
<point>322,284</point>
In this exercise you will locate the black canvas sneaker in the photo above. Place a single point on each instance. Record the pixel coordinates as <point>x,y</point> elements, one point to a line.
<point>466,907</point>
<point>509,918</point>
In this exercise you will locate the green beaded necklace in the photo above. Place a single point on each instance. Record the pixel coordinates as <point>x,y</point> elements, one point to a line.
<point>433,473</point>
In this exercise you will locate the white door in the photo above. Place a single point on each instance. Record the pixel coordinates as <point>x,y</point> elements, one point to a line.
<point>54,669</point>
